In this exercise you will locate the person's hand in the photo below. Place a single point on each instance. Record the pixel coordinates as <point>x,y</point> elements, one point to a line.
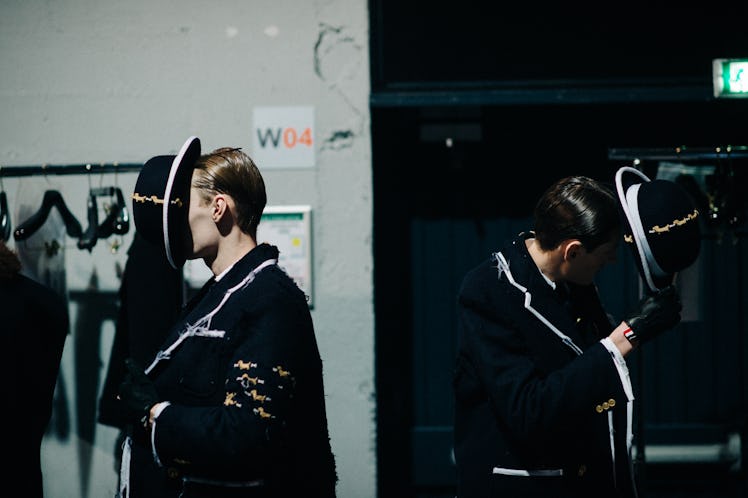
<point>655,314</point>
<point>137,393</point>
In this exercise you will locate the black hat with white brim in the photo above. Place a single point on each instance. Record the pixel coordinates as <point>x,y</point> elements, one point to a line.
<point>661,225</point>
<point>160,201</point>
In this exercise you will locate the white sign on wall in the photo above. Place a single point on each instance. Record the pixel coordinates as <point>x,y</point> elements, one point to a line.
<point>290,228</point>
<point>283,137</point>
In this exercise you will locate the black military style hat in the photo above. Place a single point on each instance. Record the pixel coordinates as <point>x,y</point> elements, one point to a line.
<point>160,202</point>
<point>661,225</point>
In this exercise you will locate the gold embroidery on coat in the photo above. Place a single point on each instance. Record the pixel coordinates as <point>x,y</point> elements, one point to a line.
<point>262,413</point>
<point>259,397</point>
<point>231,401</point>
<point>281,372</point>
<point>245,380</point>
<point>244,365</point>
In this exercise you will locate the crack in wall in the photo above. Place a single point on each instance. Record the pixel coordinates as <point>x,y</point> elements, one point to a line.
<point>339,139</point>
<point>342,54</point>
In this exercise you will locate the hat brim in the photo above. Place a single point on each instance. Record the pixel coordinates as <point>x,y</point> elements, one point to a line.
<point>628,180</point>
<point>177,201</point>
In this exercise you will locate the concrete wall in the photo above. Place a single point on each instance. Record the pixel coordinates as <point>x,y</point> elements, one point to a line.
<point>103,81</point>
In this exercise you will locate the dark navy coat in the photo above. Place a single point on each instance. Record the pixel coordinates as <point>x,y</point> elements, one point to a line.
<point>541,404</point>
<point>243,376</point>
<point>35,325</point>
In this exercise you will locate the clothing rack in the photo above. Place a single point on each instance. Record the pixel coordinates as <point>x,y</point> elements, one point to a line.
<point>68,169</point>
<point>680,153</point>
<point>117,218</point>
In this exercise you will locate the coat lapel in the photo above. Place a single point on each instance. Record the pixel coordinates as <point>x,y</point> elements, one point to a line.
<point>543,298</point>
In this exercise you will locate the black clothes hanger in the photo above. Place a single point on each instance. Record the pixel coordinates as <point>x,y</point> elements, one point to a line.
<point>121,222</point>
<point>4,213</point>
<point>89,237</point>
<point>4,217</point>
<point>117,220</point>
<point>52,198</point>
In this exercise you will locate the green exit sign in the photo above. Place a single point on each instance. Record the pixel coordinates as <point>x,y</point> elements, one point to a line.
<point>730,78</point>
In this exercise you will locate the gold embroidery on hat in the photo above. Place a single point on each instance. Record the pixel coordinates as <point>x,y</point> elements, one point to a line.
<point>628,238</point>
<point>154,199</point>
<point>675,223</point>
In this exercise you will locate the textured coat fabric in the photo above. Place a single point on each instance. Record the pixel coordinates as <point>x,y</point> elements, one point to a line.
<point>525,400</point>
<point>34,327</point>
<point>243,374</point>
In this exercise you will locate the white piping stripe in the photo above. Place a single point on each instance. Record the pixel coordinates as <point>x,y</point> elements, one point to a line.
<point>632,198</point>
<point>623,375</point>
<point>504,268</point>
<point>202,326</point>
<point>124,471</point>
<point>528,473</point>
<point>167,197</point>
<point>640,239</point>
<point>629,444</point>
<point>611,432</point>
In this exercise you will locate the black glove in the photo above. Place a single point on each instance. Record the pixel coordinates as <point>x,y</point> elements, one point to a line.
<point>137,393</point>
<point>656,314</point>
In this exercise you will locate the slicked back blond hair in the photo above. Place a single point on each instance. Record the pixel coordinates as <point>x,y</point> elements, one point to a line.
<point>230,171</point>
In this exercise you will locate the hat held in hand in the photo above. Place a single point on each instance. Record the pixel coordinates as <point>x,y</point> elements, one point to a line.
<point>161,201</point>
<point>662,226</point>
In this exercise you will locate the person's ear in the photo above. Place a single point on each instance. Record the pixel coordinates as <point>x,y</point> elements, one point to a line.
<point>219,207</point>
<point>573,247</point>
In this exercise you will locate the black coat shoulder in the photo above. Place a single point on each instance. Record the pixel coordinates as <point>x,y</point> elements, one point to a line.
<point>486,288</point>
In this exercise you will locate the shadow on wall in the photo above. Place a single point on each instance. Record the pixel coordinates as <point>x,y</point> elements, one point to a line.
<point>79,402</point>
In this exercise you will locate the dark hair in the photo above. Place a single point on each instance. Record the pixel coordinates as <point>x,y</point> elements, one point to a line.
<point>230,171</point>
<point>10,265</point>
<point>576,207</point>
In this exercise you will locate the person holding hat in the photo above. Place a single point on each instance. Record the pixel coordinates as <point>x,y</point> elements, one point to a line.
<point>233,404</point>
<point>543,396</point>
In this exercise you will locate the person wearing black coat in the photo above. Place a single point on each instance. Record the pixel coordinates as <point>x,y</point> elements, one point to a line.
<point>233,403</point>
<point>542,391</point>
<point>35,324</point>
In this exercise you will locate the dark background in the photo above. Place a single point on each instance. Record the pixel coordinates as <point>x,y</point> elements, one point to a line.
<point>529,93</point>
